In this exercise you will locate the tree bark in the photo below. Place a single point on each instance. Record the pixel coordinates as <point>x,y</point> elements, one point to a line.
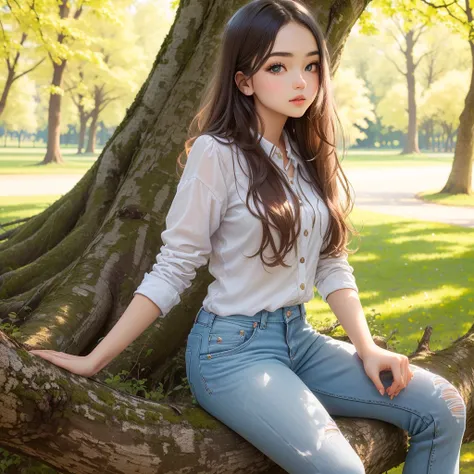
<point>460,178</point>
<point>53,149</point>
<point>82,426</point>
<point>411,144</point>
<point>68,274</point>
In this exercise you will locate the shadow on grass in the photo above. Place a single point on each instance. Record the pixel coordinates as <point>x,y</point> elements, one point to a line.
<point>412,274</point>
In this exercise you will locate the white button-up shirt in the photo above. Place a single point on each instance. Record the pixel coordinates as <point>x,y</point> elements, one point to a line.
<point>208,221</point>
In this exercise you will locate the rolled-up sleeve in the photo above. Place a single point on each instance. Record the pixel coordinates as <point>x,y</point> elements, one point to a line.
<point>334,273</point>
<point>194,215</point>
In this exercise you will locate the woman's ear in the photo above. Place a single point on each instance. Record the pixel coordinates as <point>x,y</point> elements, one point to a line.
<point>244,84</point>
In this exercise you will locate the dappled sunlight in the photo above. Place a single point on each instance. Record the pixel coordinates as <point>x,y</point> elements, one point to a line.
<point>465,240</point>
<point>420,257</point>
<point>364,257</point>
<point>423,275</point>
<point>42,336</point>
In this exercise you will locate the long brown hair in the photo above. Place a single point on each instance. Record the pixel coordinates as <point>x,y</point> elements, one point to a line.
<point>226,113</point>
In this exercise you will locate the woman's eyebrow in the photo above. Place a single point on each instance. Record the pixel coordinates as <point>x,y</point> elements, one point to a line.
<point>291,55</point>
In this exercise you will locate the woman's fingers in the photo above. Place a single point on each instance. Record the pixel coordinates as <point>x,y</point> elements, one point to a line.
<point>81,365</point>
<point>46,352</point>
<point>407,374</point>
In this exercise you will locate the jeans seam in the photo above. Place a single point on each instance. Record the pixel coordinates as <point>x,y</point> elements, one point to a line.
<point>374,402</point>
<point>433,447</point>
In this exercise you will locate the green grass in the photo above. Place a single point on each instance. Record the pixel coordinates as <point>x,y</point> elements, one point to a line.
<point>411,274</point>
<point>19,207</point>
<point>392,158</point>
<point>447,199</point>
<point>27,161</point>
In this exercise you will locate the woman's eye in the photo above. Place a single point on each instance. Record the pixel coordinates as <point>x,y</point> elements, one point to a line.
<point>272,70</point>
<point>279,65</point>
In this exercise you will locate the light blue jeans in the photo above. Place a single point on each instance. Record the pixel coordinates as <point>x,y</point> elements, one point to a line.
<point>277,382</point>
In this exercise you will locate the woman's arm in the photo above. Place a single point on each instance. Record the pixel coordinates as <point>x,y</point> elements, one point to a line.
<point>194,215</point>
<point>346,305</point>
<point>140,313</point>
<point>337,286</point>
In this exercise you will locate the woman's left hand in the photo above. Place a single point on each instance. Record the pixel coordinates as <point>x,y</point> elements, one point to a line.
<point>376,359</point>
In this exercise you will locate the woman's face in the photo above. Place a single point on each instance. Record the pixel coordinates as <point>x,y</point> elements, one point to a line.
<point>284,76</point>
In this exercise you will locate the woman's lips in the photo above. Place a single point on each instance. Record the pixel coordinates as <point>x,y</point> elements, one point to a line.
<point>297,101</point>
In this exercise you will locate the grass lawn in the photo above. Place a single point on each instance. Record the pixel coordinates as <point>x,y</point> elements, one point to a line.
<point>26,161</point>
<point>411,274</point>
<point>447,199</point>
<point>13,208</point>
<point>390,158</point>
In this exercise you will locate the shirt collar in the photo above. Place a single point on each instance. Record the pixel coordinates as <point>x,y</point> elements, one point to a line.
<point>277,156</point>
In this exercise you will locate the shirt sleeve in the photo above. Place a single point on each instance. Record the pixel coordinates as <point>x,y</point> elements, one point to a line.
<point>334,273</point>
<point>195,214</point>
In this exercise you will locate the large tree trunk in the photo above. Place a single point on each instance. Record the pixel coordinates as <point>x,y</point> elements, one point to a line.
<point>460,178</point>
<point>68,274</point>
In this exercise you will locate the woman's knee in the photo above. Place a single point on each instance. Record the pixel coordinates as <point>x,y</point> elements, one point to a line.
<point>445,405</point>
<point>451,408</point>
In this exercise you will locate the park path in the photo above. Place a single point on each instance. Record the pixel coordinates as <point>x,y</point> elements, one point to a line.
<point>392,191</point>
<point>383,189</point>
<point>36,184</point>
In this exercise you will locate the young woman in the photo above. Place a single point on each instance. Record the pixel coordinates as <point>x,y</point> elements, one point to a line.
<point>259,200</point>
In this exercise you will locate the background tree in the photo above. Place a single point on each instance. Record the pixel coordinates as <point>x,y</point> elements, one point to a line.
<point>458,15</point>
<point>61,31</point>
<point>19,113</point>
<point>93,88</point>
<point>441,109</point>
<point>16,50</point>
<point>353,104</point>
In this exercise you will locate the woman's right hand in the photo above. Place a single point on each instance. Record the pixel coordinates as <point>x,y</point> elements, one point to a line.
<point>80,365</point>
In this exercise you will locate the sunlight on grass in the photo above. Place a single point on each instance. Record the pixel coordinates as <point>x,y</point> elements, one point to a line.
<point>392,158</point>
<point>411,274</point>
<point>436,197</point>
<point>28,161</point>
<point>19,207</point>
<point>368,257</point>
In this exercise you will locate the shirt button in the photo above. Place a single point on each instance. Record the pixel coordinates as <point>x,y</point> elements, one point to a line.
<point>302,286</point>
<point>242,332</point>
<point>219,339</point>
<point>306,232</point>
<point>288,313</point>
<point>302,259</point>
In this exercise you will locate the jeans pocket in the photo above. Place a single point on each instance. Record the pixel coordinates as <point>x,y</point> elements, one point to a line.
<point>229,335</point>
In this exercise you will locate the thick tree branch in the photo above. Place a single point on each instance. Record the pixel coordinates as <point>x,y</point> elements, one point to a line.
<point>80,425</point>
